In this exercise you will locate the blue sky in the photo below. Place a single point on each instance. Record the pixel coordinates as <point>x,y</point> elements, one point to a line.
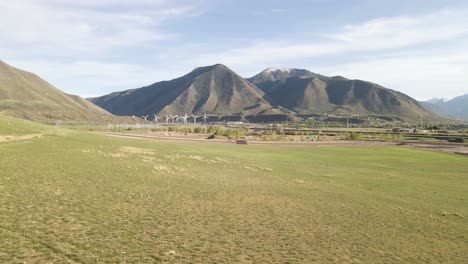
<point>91,48</point>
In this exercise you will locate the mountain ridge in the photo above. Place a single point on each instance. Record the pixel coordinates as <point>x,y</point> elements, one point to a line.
<point>214,89</point>
<point>306,92</point>
<point>218,90</point>
<point>454,108</point>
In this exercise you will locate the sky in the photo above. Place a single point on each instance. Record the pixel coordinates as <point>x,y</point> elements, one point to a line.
<point>91,48</point>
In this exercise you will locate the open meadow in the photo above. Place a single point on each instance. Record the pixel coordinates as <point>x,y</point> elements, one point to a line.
<point>75,197</point>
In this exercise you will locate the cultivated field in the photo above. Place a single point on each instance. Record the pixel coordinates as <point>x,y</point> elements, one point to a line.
<point>69,196</point>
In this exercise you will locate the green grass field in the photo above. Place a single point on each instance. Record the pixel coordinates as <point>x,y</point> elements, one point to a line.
<point>11,126</point>
<point>77,197</point>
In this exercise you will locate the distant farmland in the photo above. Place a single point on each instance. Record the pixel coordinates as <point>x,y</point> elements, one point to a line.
<point>69,196</point>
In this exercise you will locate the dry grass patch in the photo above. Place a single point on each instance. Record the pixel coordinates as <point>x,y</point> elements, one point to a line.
<point>135,150</point>
<point>9,138</point>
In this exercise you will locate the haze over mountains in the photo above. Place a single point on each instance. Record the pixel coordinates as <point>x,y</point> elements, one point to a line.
<point>26,95</point>
<point>456,107</point>
<point>217,90</point>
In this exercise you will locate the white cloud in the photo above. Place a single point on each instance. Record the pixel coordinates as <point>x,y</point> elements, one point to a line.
<point>420,76</point>
<point>87,75</point>
<point>70,43</point>
<point>278,10</point>
<point>73,44</point>
<point>71,28</point>
<point>375,35</point>
<point>440,72</point>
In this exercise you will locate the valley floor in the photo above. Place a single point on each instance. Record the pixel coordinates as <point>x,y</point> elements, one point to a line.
<point>85,198</point>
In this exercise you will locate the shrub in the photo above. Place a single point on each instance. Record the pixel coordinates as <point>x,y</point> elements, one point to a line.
<point>456,140</point>
<point>199,130</point>
<point>211,129</point>
<point>355,136</point>
<point>273,135</point>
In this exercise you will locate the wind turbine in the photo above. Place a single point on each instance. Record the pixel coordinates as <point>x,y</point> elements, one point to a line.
<point>173,118</point>
<point>205,117</point>
<point>184,118</point>
<point>145,117</point>
<point>177,118</point>
<point>156,118</point>
<point>167,119</point>
<point>195,118</point>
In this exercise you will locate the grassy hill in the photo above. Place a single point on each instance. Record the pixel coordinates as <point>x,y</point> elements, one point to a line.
<point>212,89</point>
<point>26,95</point>
<point>10,126</point>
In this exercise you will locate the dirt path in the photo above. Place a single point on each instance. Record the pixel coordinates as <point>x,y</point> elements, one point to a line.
<point>461,149</point>
<point>282,143</point>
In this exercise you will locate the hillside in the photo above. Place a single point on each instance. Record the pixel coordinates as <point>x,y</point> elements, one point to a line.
<point>213,89</point>
<point>315,93</point>
<point>10,126</point>
<point>26,95</point>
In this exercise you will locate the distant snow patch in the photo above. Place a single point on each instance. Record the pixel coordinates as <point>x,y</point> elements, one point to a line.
<point>274,69</point>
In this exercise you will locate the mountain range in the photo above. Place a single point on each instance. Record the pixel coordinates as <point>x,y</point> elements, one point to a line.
<point>26,95</point>
<point>217,90</point>
<point>456,107</point>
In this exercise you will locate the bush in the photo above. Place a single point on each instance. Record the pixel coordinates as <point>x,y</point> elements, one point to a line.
<point>239,133</point>
<point>302,136</point>
<point>199,130</point>
<point>355,136</point>
<point>212,129</point>
<point>273,135</point>
<point>456,140</point>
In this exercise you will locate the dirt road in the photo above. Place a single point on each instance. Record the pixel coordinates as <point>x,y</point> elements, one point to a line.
<point>457,148</point>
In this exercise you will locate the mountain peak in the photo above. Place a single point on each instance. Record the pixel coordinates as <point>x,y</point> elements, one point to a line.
<point>213,89</point>
<point>437,101</point>
<point>275,74</point>
<point>275,69</point>
<point>203,69</point>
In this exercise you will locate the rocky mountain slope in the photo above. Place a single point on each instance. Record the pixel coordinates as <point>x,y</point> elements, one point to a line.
<point>215,89</point>
<point>305,92</point>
